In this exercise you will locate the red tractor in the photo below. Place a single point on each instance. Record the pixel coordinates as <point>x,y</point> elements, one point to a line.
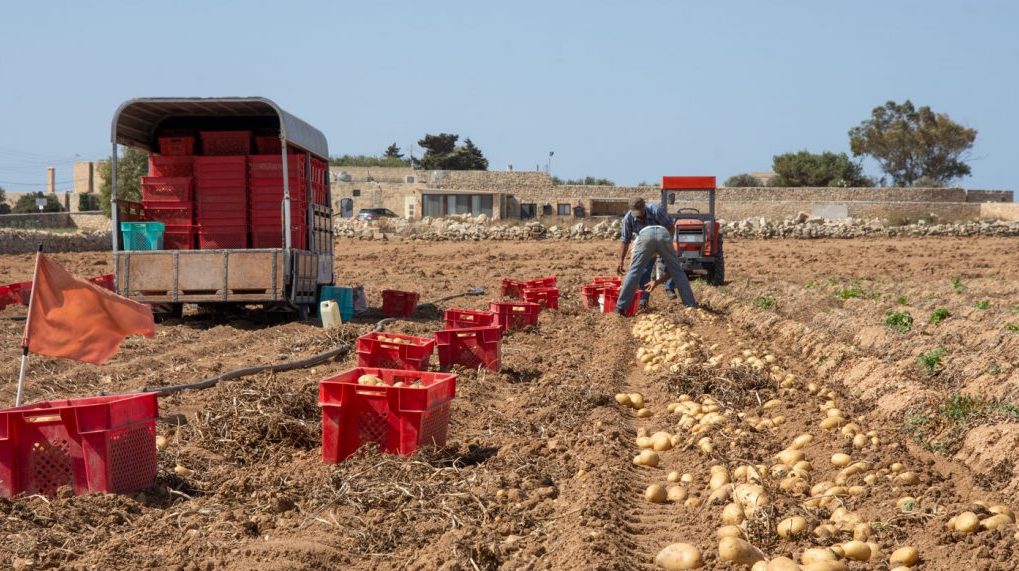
<point>698,239</point>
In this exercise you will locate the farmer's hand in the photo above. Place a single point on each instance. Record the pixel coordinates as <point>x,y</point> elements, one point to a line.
<point>619,268</point>
<point>650,287</point>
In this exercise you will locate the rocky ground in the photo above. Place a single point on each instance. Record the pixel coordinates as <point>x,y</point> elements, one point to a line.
<point>806,338</point>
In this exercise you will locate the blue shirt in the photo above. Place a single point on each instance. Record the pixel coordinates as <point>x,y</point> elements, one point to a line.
<point>654,215</point>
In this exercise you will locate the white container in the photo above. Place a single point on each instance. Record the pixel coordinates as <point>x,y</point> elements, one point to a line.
<point>330,312</point>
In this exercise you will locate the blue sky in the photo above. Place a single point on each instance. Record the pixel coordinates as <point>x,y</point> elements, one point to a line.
<point>624,90</point>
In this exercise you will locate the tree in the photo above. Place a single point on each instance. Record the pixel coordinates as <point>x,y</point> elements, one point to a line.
<point>742,180</point>
<point>393,152</point>
<point>826,169</point>
<point>911,143</point>
<point>442,153</point>
<point>26,203</point>
<point>4,207</point>
<point>131,166</point>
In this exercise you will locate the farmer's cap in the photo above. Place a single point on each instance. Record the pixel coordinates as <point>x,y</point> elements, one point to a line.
<point>637,206</point>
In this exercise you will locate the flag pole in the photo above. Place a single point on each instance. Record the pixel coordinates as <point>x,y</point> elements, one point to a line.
<point>24,339</point>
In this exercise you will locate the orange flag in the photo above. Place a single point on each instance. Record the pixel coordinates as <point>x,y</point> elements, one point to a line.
<point>72,318</point>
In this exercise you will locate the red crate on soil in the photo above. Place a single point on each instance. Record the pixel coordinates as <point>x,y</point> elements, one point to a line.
<point>171,166</point>
<point>397,419</point>
<point>179,238</point>
<point>177,146</point>
<point>510,315</point>
<point>394,351</point>
<point>399,303</point>
<point>611,280</point>
<point>457,318</point>
<point>511,288</point>
<point>96,444</point>
<point>225,142</point>
<point>104,281</point>
<point>23,290</point>
<point>220,237</point>
<point>591,293</point>
<point>166,189</point>
<point>611,296</point>
<point>547,297</point>
<point>170,213</point>
<point>541,282</point>
<point>471,347</point>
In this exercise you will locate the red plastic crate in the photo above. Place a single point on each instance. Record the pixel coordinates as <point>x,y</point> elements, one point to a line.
<point>268,144</point>
<point>171,166</point>
<point>541,282</point>
<point>219,237</point>
<point>232,168</point>
<point>611,296</point>
<point>271,166</point>
<point>471,347</point>
<point>399,303</point>
<point>229,200</point>
<point>457,318</point>
<point>104,281</point>
<point>225,142</point>
<point>511,288</point>
<point>591,292</point>
<point>8,297</point>
<point>612,280</point>
<point>269,238</point>
<point>179,238</point>
<point>23,290</point>
<point>96,444</point>
<point>394,351</point>
<point>398,419</point>
<point>510,315</point>
<point>177,146</point>
<point>166,189</point>
<point>170,213</point>
<point>547,297</point>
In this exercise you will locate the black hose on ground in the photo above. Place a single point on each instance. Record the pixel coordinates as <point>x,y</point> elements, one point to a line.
<point>337,351</point>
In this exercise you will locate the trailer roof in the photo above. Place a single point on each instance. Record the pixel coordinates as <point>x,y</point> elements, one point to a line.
<point>136,120</point>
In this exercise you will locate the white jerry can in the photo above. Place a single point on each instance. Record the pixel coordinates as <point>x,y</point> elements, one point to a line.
<point>330,312</point>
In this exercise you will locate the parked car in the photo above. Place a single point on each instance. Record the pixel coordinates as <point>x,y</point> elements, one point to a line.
<point>370,214</point>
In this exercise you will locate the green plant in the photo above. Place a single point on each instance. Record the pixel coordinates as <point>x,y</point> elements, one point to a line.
<point>1013,327</point>
<point>764,301</point>
<point>901,321</point>
<point>742,180</point>
<point>26,203</point>
<point>831,282</point>
<point>931,362</point>
<point>940,314</point>
<point>982,304</point>
<point>902,300</point>
<point>824,169</point>
<point>851,292</point>
<point>957,285</point>
<point>810,285</point>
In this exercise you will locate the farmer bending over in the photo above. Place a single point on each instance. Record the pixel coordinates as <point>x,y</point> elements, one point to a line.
<point>653,228</point>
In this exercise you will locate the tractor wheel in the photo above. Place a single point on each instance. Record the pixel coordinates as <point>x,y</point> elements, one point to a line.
<point>716,275</point>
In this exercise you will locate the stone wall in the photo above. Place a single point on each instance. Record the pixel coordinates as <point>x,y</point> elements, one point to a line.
<point>40,220</point>
<point>27,241</point>
<point>91,221</point>
<point>389,189</point>
<point>998,211</point>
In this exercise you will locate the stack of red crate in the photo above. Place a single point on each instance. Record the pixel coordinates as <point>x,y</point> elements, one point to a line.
<point>319,181</point>
<point>266,183</point>
<point>221,185</point>
<point>167,191</point>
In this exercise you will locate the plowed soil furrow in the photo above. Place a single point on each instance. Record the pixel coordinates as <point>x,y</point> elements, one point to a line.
<point>537,472</point>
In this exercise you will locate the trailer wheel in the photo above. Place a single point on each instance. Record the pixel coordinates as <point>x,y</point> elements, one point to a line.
<point>164,311</point>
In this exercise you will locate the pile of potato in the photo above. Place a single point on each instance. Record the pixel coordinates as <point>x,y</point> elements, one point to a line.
<point>666,344</point>
<point>397,340</point>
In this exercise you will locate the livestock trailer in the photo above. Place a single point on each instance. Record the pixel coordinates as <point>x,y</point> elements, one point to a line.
<point>240,189</point>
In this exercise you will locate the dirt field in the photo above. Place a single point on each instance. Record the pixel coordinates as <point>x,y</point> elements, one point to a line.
<point>538,471</point>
